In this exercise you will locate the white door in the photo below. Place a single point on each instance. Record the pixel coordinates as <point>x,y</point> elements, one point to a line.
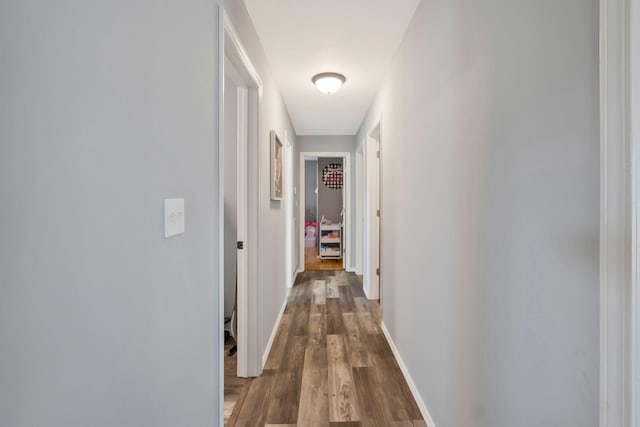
<point>372,218</point>
<point>235,200</point>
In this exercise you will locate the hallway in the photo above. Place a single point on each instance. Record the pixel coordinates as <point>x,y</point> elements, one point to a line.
<point>330,364</point>
<point>486,178</point>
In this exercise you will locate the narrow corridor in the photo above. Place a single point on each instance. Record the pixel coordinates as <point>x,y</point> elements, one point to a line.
<point>330,363</point>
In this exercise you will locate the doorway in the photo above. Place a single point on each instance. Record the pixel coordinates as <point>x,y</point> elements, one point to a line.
<point>324,210</point>
<point>239,110</point>
<point>235,130</point>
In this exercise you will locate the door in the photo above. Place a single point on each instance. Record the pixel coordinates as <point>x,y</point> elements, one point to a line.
<point>235,202</point>
<point>376,217</point>
<point>372,260</point>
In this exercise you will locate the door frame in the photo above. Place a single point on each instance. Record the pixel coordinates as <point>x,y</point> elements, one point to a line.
<point>359,252</point>
<point>346,156</point>
<point>619,213</point>
<point>634,135</point>
<point>289,203</point>
<point>248,314</point>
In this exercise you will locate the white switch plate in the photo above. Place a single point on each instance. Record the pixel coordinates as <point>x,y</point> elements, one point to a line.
<point>173,217</point>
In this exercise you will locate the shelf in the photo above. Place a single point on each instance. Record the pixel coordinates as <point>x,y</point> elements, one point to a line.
<point>330,227</point>
<point>325,254</point>
<point>330,240</point>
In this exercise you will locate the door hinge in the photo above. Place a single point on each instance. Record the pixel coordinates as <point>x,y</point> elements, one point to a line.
<point>240,244</point>
<point>377,271</point>
<point>378,154</point>
<point>378,213</point>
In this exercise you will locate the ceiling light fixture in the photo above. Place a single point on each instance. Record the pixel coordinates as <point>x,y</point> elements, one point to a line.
<point>328,82</point>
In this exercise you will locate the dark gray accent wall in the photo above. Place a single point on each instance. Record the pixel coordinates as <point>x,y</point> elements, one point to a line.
<point>330,201</point>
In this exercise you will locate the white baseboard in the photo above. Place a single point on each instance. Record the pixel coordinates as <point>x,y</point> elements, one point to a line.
<point>350,270</point>
<point>412,386</point>
<point>275,329</point>
<point>292,280</point>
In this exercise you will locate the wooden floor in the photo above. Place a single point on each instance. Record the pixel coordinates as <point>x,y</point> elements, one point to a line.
<point>234,387</point>
<point>330,364</point>
<point>313,262</point>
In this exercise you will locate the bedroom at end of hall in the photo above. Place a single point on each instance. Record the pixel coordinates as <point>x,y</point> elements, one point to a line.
<point>324,214</point>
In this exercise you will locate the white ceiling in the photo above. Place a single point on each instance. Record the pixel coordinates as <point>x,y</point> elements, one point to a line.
<point>357,38</point>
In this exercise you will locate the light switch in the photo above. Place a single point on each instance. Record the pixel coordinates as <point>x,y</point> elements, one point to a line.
<point>173,217</point>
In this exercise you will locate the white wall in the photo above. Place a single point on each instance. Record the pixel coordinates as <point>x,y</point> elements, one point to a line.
<point>107,108</point>
<point>490,186</point>
<point>272,214</point>
<point>333,144</point>
<point>326,143</point>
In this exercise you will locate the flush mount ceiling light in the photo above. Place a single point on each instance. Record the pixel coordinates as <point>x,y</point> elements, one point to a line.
<point>328,82</point>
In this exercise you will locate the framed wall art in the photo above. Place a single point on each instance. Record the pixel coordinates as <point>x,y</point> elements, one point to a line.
<point>333,176</point>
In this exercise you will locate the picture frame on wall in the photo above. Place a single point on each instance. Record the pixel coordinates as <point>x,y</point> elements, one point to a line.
<point>277,167</point>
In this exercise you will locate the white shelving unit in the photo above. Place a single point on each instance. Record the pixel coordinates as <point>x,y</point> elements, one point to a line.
<point>330,241</point>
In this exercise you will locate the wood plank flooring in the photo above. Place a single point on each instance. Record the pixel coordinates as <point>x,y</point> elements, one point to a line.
<point>313,262</point>
<point>330,364</point>
<point>234,387</point>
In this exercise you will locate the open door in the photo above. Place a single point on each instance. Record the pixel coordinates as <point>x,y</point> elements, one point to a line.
<point>372,272</point>
<point>239,173</point>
